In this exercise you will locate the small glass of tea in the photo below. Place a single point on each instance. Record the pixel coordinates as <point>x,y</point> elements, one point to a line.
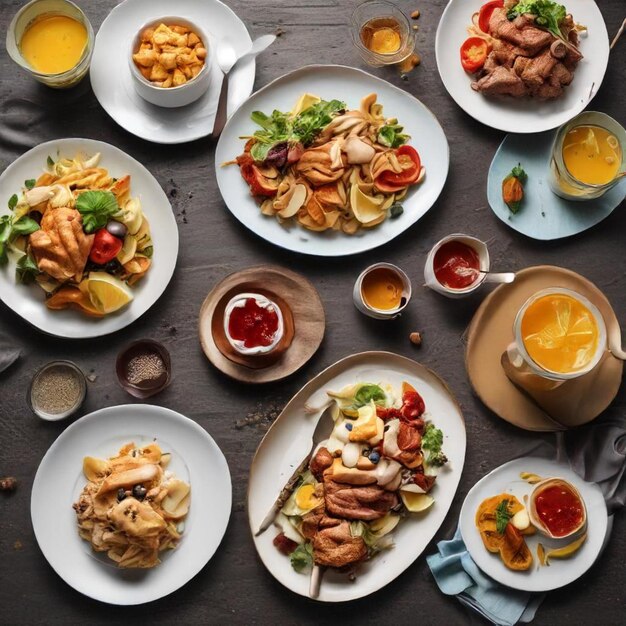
<point>382,33</point>
<point>587,157</point>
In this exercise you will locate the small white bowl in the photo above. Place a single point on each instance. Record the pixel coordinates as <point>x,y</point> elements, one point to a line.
<point>171,97</point>
<point>532,508</point>
<point>237,344</point>
<point>380,314</point>
<point>480,247</point>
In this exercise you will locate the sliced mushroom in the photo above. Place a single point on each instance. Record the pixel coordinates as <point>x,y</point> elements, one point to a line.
<point>176,502</point>
<point>37,195</point>
<point>297,199</point>
<point>145,473</point>
<point>357,151</point>
<point>95,469</point>
<point>336,161</point>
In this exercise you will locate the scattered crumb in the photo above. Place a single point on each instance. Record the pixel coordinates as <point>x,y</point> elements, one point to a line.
<point>416,338</point>
<point>404,77</point>
<point>415,14</point>
<point>261,418</point>
<point>416,27</point>
<point>91,378</point>
<point>18,545</point>
<point>8,483</point>
<point>279,32</point>
<point>409,63</point>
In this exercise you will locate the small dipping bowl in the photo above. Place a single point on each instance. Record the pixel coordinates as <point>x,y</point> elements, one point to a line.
<point>171,97</point>
<point>57,390</point>
<point>144,368</point>
<point>381,314</point>
<point>480,247</point>
<point>538,522</point>
<point>42,8</point>
<point>262,301</point>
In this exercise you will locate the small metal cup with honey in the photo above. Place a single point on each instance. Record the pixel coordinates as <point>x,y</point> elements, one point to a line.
<point>382,33</point>
<point>382,291</point>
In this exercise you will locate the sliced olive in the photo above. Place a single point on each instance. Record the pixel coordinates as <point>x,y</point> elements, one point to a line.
<point>121,494</point>
<point>139,492</point>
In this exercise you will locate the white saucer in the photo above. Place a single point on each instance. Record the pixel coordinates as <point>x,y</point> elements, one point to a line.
<point>112,83</point>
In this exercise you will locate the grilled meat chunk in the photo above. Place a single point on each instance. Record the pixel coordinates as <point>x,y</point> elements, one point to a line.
<point>520,33</point>
<point>336,547</point>
<point>368,502</point>
<point>501,82</point>
<point>322,460</point>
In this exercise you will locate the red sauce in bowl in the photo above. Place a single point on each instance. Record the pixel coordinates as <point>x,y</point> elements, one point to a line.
<point>559,509</point>
<point>253,324</point>
<point>456,265</point>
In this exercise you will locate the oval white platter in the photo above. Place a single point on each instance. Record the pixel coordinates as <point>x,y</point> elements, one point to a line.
<point>112,83</point>
<point>521,115</point>
<point>506,479</point>
<point>29,301</point>
<point>349,85</point>
<point>288,441</point>
<point>59,480</point>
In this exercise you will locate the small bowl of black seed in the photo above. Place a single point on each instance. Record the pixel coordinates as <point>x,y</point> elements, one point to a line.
<point>143,368</point>
<point>57,390</point>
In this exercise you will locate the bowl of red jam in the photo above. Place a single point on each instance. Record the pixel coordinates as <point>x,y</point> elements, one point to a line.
<point>457,265</point>
<point>557,508</point>
<point>253,324</point>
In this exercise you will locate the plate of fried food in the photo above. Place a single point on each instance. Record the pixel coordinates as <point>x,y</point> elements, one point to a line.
<point>88,240</point>
<point>355,476</point>
<point>533,524</point>
<point>522,66</point>
<point>329,161</point>
<point>131,502</point>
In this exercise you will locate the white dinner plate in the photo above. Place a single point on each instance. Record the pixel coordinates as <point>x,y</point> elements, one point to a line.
<point>111,77</point>
<point>29,301</point>
<point>350,85</point>
<point>560,572</point>
<point>196,458</point>
<point>521,115</point>
<point>288,441</point>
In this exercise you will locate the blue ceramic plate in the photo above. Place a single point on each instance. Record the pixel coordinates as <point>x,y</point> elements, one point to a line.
<point>543,214</point>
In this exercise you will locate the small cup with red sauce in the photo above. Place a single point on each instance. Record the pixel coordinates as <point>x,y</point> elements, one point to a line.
<point>253,324</point>
<point>557,508</point>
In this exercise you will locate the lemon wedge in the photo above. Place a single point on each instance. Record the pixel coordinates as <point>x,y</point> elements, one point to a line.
<point>128,249</point>
<point>107,293</point>
<point>416,502</point>
<point>304,102</point>
<point>366,208</point>
<point>566,551</point>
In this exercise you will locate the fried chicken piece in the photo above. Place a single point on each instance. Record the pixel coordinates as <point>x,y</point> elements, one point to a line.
<point>367,502</point>
<point>336,547</point>
<point>60,246</point>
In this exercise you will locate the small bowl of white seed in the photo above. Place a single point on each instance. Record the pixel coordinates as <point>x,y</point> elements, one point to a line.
<point>143,368</point>
<point>57,390</point>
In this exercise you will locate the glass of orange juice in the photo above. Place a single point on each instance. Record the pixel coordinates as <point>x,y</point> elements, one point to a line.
<point>588,157</point>
<point>52,40</point>
<point>559,335</point>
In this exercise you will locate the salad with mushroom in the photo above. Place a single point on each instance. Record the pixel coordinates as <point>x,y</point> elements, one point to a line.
<point>132,507</point>
<point>378,466</point>
<point>327,167</point>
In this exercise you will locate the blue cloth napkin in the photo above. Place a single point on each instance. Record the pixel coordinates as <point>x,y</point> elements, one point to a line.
<point>457,575</point>
<point>597,453</point>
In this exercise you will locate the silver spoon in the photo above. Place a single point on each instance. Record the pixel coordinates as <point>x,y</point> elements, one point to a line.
<point>227,58</point>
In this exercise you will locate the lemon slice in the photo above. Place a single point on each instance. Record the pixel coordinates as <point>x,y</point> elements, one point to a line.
<point>304,102</point>
<point>416,502</point>
<point>107,293</point>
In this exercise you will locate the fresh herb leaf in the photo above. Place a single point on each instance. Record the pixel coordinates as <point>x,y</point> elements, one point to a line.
<point>391,135</point>
<point>395,210</point>
<point>313,119</point>
<point>432,439</point>
<point>503,515</point>
<point>95,208</point>
<point>25,226</point>
<point>6,223</point>
<point>26,270</point>
<point>302,556</point>
<point>50,162</point>
<point>12,201</point>
<point>367,394</point>
<point>30,183</point>
<point>519,173</point>
<point>548,15</point>
<point>149,251</point>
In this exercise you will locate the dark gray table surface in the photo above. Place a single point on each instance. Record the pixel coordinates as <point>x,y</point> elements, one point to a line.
<point>235,586</point>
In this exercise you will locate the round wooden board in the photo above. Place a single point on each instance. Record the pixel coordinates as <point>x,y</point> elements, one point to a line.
<point>308,319</point>
<point>575,402</point>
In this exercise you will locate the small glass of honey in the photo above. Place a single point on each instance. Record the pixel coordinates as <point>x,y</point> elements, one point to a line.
<point>53,41</point>
<point>382,33</point>
<point>587,157</point>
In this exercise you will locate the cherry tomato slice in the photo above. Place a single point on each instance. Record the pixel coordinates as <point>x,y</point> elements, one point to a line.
<point>390,182</point>
<point>474,53</point>
<point>105,247</point>
<point>485,14</point>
